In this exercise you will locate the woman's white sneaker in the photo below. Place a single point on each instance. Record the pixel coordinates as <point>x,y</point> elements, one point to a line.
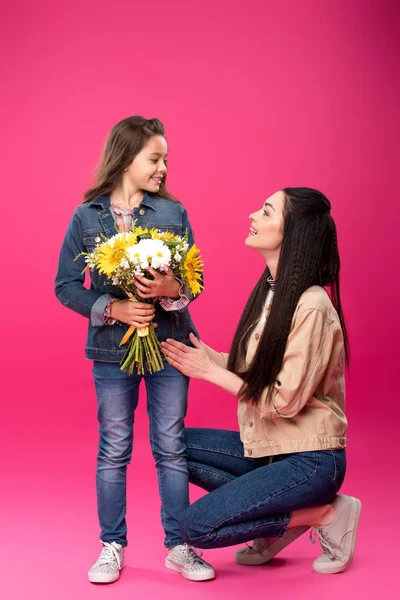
<point>109,564</point>
<point>338,540</point>
<point>185,560</point>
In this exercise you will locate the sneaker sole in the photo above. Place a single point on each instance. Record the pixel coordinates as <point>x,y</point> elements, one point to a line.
<point>190,576</point>
<point>261,558</point>
<point>354,522</point>
<point>105,578</point>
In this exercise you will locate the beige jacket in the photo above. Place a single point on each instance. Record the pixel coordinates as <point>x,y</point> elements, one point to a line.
<point>307,411</point>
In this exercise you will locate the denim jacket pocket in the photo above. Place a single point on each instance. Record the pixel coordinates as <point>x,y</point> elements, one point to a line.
<point>91,238</point>
<point>180,326</point>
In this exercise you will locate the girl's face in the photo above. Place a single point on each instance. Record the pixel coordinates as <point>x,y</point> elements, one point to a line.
<point>149,167</point>
<point>266,228</point>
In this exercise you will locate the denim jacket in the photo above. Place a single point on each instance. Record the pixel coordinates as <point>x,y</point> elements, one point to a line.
<point>84,232</point>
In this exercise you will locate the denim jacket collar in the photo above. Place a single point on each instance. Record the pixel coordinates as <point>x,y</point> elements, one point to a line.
<point>104,201</point>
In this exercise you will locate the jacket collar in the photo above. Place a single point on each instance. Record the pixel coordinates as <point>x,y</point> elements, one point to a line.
<point>104,201</point>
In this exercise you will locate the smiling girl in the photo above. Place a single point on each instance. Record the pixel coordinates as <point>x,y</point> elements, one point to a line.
<point>131,186</point>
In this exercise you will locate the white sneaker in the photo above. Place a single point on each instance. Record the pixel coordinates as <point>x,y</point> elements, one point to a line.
<point>185,560</point>
<point>109,564</point>
<point>264,549</point>
<point>338,540</point>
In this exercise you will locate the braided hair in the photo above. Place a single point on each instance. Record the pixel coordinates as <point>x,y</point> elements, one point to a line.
<point>309,256</point>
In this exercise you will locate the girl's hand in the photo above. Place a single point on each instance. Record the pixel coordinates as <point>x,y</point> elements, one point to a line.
<point>193,362</point>
<point>137,314</point>
<point>163,284</point>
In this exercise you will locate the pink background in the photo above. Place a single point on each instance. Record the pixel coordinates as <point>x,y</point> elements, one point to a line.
<point>255,96</point>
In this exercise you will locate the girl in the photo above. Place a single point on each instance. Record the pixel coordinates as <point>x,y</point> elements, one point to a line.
<point>286,366</point>
<point>131,186</point>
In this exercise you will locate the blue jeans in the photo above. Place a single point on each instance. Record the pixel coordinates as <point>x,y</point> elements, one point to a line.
<point>117,396</point>
<point>252,497</point>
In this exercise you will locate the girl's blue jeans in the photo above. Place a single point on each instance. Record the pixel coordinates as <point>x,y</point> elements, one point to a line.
<point>117,396</point>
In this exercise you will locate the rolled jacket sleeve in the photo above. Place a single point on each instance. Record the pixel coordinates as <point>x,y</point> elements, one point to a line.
<point>97,318</point>
<point>305,360</point>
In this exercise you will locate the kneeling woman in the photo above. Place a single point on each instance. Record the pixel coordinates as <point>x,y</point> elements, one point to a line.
<point>281,474</point>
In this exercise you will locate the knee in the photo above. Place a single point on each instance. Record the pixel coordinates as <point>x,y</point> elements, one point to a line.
<point>116,451</point>
<point>169,448</point>
<point>194,530</point>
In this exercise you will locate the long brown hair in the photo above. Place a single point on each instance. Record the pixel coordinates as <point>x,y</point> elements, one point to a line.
<point>126,139</point>
<point>309,256</point>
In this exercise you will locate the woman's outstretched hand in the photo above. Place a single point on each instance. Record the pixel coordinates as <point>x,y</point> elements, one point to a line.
<point>193,362</point>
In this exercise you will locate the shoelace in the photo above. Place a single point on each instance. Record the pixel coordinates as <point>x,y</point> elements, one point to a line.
<point>325,542</point>
<point>193,555</point>
<point>109,552</point>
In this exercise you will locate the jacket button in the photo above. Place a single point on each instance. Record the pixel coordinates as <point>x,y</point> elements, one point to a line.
<point>97,239</point>
<point>251,424</point>
<point>141,212</point>
<point>257,336</point>
<point>250,452</point>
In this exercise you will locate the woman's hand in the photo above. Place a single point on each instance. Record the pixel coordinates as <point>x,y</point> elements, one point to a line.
<point>215,357</point>
<point>163,284</point>
<point>137,314</point>
<point>193,362</point>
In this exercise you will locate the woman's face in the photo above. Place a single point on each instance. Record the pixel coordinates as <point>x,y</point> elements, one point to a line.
<point>266,227</point>
<point>149,167</point>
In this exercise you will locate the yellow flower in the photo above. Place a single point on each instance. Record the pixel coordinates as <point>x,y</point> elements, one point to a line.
<point>167,236</point>
<point>110,253</point>
<point>154,234</point>
<point>139,231</point>
<point>193,269</point>
<point>131,239</point>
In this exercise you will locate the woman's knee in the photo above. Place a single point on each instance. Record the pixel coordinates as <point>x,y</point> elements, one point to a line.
<point>194,528</point>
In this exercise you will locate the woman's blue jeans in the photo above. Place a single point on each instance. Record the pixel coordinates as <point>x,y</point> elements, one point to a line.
<point>252,497</point>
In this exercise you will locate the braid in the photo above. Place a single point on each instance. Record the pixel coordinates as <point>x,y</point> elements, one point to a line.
<point>308,256</point>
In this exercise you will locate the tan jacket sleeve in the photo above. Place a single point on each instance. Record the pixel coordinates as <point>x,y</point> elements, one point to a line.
<point>225,358</point>
<point>305,360</point>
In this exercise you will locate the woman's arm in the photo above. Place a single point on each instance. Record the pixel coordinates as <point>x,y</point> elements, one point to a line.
<point>219,358</point>
<point>201,362</point>
<point>306,359</point>
<point>307,355</point>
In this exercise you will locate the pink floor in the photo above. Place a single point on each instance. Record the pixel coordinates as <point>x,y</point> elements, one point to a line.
<point>49,533</point>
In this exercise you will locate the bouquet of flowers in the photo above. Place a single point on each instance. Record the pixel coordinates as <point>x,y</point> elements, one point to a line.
<point>126,255</point>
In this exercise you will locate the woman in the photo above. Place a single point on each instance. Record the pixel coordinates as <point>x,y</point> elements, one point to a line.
<point>281,474</point>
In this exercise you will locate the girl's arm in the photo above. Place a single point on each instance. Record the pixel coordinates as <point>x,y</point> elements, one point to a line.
<point>175,295</point>
<point>71,292</point>
<point>69,281</point>
<point>186,225</point>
